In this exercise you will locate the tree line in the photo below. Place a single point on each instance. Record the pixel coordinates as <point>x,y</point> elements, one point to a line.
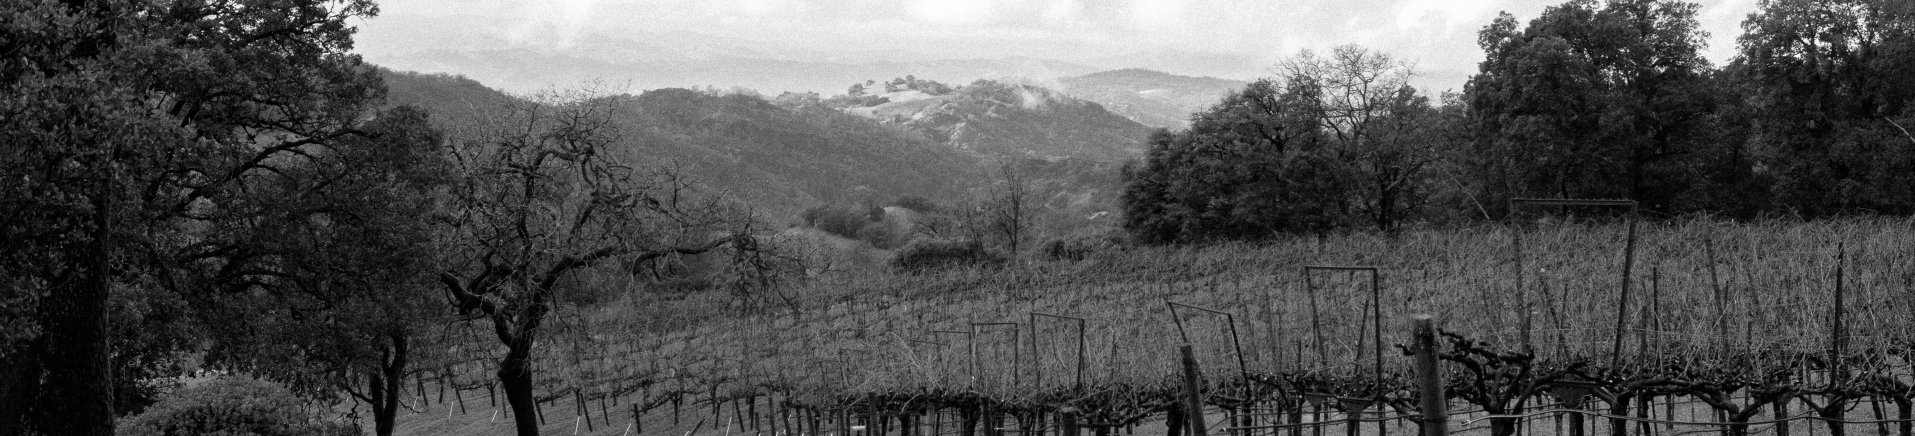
<point>1589,100</point>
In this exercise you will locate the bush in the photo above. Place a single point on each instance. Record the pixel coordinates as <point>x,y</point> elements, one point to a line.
<point>232,406</point>
<point>928,254</point>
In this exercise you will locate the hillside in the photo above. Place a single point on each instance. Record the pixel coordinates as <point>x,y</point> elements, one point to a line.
<point>784,156</point>
<point>778,159</point>
<point>1013,120</point>
<point>1153,98</point>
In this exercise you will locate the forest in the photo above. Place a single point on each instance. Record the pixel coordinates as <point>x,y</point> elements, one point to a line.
<point>194,190</point>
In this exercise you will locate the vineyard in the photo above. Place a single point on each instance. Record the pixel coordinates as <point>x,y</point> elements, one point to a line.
<point>1556,327</point>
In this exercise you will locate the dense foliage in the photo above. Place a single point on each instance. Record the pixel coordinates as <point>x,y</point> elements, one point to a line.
<point>1589,100</point>
<point>1253,165</point>
<point>139,137</point>
<point>1592,101</point>
<point>1828,88</point>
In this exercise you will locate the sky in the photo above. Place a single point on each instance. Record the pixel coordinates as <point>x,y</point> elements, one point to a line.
<point>1437,36</point>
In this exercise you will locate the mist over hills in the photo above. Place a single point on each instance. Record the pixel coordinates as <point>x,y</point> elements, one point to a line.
<point>529,59</point>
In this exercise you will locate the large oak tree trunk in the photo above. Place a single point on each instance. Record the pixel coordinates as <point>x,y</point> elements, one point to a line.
<point>19,385</point>
<point>387,386</point>
<point>77,397</point>
<point>515,377</point>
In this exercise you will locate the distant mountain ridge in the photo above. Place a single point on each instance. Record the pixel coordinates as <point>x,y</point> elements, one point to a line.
<point>526,70</point>
<point>778,159</point>
<point>798,151</point>
<point>529,59</point>
<point>1153,98</point>
<point>1013,120</point>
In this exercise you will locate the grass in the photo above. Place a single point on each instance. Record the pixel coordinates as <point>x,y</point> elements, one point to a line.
<point>874,331</point>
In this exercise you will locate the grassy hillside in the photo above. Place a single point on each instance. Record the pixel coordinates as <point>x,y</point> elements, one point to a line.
<point>1699,289</point>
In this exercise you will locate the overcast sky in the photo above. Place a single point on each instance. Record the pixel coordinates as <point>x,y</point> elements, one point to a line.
<point>1439,36</point>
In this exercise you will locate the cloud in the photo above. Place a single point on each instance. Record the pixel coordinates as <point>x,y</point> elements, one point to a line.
<point>1158,13</point>
<point>1439,14</point>
<point>951,12</point>
<point>1439,35</point>
<point>1723,20</point>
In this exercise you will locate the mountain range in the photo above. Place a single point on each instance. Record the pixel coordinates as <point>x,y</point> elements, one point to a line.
<point>1153,98</point>
<point>1012,120</point>
<point>786,154</point>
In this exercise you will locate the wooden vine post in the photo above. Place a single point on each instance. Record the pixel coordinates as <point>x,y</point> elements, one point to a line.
<point>1069,417</point>
<point>1193,392</point>
<point>1429,382</point>
<point>1837,340</point>
<point>1243,369</point>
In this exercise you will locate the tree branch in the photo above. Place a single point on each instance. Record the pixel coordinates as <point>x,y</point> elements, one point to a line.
<point>1898,126</point>
<point>465,300</point>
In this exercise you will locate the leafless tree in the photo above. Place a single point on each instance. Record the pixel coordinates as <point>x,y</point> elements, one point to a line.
<point>545,196</point>
<point>1365,103</point>
<point>1010,211</point>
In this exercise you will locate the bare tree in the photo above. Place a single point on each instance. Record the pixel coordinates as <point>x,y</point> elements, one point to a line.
<point>1376,120</point>
<point>1010,212</point>
<point>544,197</point>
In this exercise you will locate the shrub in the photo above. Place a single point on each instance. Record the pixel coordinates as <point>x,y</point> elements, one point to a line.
<point>232,406</point>
<point>928,254</point>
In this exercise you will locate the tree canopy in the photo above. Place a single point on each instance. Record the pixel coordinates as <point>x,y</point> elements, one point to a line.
<point>1591,99</point>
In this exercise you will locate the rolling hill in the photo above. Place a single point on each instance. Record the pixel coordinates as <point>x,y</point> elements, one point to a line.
<point>1152,98</point>
<point>778,159</point>
<point>1009,120</point>
<point>794,152</point>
